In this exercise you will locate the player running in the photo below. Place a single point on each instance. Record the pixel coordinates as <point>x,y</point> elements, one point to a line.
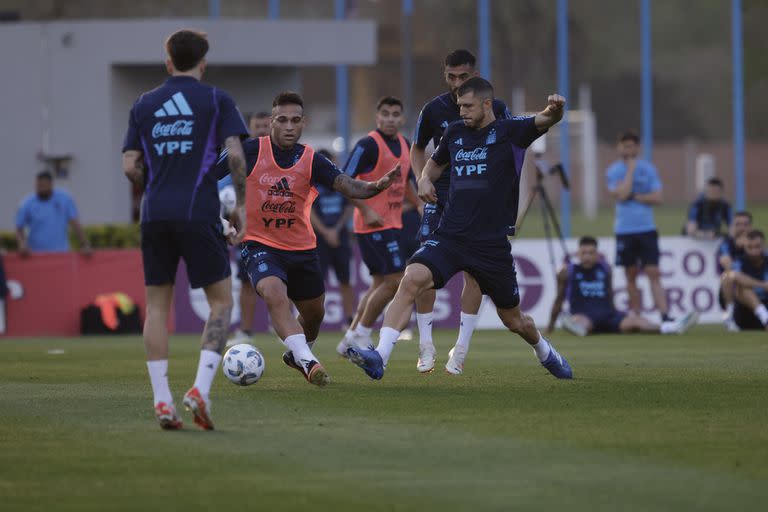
<point>485,155</point>
<point>433,120</point>
<point>378,221</point>
<point>174,133</point>
<point>280,247</point>
<point>588,288</point>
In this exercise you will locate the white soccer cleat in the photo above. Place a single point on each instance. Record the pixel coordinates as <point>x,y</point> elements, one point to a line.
<point>731,325</point>
<point>685,322</point>
<point>355,340</point>
<point>455,364</point>
<point>572,326</point>
<point>426,362</point>
<point>237,338</point>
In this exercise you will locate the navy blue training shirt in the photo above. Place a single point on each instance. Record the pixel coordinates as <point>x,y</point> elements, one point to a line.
<point>434,119</point>
<point>180,127</point>
<point>323,171</point>
<point>710,215</point>
<point>589,290</point>
<point>365,154</point>
<point>329,205</point>
<point>485,167</point>
<point>755,270</point>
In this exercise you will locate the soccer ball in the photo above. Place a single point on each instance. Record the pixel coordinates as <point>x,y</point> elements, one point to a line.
<point>243,364</point>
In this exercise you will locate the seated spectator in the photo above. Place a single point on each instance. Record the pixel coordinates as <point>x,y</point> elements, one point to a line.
<point>731,249</point>
<point>750,278</point>
<point>588,288</point>
<point>709,212</point>
<point>43,218</point>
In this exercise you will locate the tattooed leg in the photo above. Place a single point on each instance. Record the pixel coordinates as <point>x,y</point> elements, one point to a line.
<point>219,297</point>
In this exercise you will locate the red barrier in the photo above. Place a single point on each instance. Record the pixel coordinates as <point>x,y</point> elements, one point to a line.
<point>56,286</point>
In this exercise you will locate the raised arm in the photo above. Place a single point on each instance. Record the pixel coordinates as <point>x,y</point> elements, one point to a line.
<point>552,114</point>
<point>623,189</point>
<point>557,305</point>
<point>236,163</point>
<point>133,166</point>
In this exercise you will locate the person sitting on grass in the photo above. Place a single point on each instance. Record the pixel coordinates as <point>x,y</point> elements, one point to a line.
<point>587,286</point>
<point>749,278</point>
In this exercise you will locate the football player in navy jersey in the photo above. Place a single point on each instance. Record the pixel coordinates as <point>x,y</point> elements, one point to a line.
<point>750,274</point>
<point>588,288</point>
<point>730,250</point>
<point>459,66</point>
<point>174,135</point>
<point>486,157</point>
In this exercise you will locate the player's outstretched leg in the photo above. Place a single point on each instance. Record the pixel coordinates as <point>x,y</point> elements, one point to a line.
<point>275,294</point>
<point>156,345</point>
<point>523,325</point>
<point>311,314</point>
<point>196,400</point>
<point>471,299</point>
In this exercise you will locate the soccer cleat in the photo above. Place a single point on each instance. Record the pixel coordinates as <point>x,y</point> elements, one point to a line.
<point>369,360</point>
<point>426,362</point>
<point>455,364</point>
<point>557,365</point>
<point>353,340</point>
<point>315,373</point>
<point>686,322</point>
<point>166,416</point>
<point>572,326</point>
<point>199,407</point>
<point>238,337</point>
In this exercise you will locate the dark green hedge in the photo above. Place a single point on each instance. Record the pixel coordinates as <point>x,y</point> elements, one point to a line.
<point>107,236</point>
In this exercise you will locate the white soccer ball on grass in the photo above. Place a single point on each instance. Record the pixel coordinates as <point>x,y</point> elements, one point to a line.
<point>243,364</point>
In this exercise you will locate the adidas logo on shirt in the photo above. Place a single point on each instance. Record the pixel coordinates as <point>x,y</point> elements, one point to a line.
<point>280,189</point>
<point>176,106</point>
<point>458,141</point>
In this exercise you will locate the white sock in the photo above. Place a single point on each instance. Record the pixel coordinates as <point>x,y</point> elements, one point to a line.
<point>466,328</point>
<point>668,327</point>
<point>158,376</point>
<point>761,312</point>
<point>424,321</point>
<point>362,330</point>
<point>729,310</point>
<point>541,348</point>
<point>206,371</point>
<point>349,334</point>
<point>387,339</point>
<point>297,343</point>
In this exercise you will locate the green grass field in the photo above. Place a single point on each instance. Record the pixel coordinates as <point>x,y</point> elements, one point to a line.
<point>650,423</point>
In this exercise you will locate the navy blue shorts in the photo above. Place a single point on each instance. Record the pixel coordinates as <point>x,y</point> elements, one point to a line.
<point>409,235</point>
<point>299,270</point>
<point>746,319</point>
<point>381,251</point>
<point>337,258</point>
<point>202,246</point>
<point>429,221</point>
<point>605,322</point>
<point>492,266</point>
<point>242,272</point>
<point>637,249</point>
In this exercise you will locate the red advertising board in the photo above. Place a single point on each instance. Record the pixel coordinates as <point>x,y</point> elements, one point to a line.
<point>50,289</point>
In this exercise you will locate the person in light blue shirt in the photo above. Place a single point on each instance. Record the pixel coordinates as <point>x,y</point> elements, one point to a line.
<point>43,219</point>
<point>636,187</point>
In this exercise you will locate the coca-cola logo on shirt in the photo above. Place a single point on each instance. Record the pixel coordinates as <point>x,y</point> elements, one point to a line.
<point>471,156</point>
<point>180,127</point>
<point>279,206</point>
<point>266,179</point>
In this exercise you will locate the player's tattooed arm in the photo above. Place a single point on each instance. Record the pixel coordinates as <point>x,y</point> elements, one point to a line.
<point>552,114</point>
<point>133,166</point>
<point>236,164</point>
<point>360,189</point>
<point>557,305</point>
